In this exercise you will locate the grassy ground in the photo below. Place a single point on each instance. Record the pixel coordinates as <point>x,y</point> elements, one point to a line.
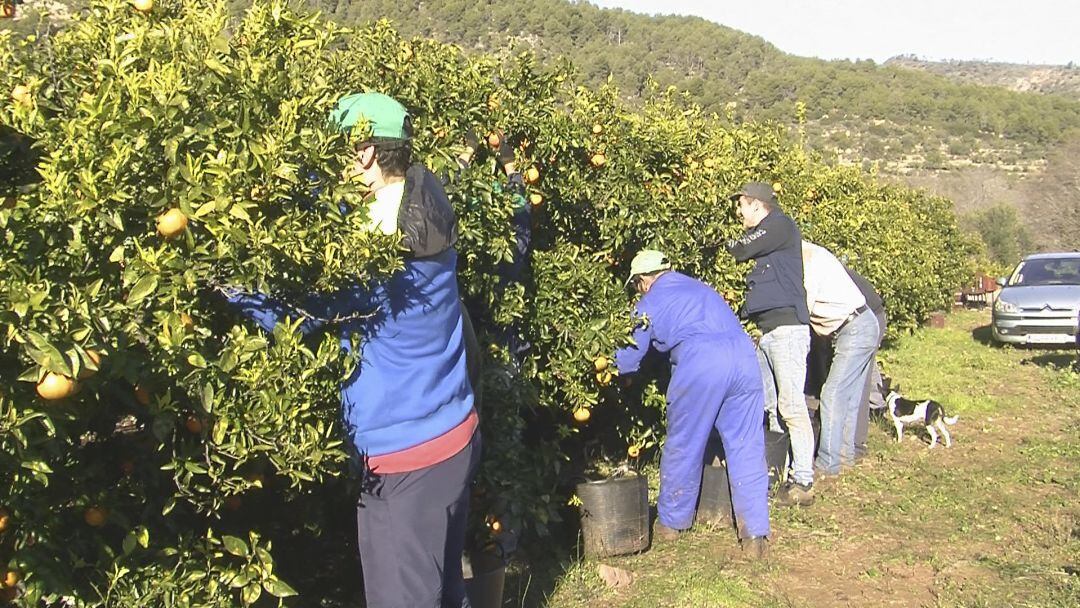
<point>991,522</point>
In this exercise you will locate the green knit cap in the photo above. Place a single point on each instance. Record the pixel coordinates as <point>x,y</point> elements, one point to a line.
<point>386,117</point>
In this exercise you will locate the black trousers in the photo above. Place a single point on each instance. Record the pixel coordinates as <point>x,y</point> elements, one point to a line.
<point>411,529</point>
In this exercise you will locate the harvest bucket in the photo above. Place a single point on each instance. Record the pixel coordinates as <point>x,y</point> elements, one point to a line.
<point>714,505</point>
<point>485,574</point>
<point>614,515</point>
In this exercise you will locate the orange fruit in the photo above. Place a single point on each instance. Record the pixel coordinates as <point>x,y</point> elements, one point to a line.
<point>532,175</point>
<point>143,6</point>
<point>598,159</point>
<point>10,579</point>
<point>494,140</point>
<point>633,451</point>
<point>142,395</point>
<point>604,377</point>
<point>95,358</point>
<point>601,363</point>
<point>598,129</point>
<point>536,199</point>
<point>95,517</point>
<point>496,526</point>
<point>5,520</point>
<point>194,425</point>
<point>582,414</point>
<point>21,95</point>
<point>172,223</point>
<point>55,386</point>
<point>777,187</point>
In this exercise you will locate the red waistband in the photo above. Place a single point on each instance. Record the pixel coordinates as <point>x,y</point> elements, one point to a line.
<point>431,452</point>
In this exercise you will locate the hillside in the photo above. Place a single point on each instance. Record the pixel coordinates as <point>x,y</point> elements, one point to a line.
<point>1049,79</point>
<point>857,110</point>
<point>945,132</point>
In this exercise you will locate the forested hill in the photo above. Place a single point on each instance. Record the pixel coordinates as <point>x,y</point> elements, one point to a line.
<point>854,108</point>
<point>1049,79</point>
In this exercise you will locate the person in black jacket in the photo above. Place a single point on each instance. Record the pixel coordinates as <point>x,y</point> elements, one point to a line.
<point>872,397</point>
<point>776,303</point>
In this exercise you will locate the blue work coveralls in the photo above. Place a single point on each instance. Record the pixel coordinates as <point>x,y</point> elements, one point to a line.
<point>715,383</point>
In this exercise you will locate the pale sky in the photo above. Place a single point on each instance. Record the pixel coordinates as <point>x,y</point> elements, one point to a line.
<point>1020,31</point>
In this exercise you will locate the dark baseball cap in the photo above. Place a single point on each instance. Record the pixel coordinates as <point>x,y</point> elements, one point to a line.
<point>759,190</point>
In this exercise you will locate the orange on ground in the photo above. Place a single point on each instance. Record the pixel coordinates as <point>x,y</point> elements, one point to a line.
<point>598,159</point>
<point>55,386</point>
<point>598,129</point>
<point>143,6</point>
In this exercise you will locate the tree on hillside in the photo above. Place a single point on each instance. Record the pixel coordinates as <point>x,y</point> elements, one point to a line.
<point>999,226</point>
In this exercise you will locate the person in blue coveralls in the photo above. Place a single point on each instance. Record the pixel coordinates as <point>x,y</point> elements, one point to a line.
<point>409,406</point>
<point>715,383</point>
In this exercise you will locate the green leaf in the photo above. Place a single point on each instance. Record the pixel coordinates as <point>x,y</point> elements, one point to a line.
<point>144,287</point>
<point>235,546</point>
<point>251,593</point>
<point>278,588</point>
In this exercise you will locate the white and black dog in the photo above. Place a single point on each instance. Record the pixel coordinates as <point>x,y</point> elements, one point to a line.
<point>928,413</point>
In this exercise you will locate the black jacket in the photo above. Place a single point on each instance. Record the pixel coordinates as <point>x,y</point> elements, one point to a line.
<point>873,298</point>
<point>426,219</point>
<point>776,282</point>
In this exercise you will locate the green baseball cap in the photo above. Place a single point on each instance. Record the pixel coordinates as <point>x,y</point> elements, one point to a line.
<point>648,261</point>
<point>387,118</point>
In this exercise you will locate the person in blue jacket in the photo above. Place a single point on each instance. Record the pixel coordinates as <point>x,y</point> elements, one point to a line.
<point>409,406</point>
<point>715,383</point>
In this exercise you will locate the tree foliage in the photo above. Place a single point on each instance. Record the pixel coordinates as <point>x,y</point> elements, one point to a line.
<point>198,462</point>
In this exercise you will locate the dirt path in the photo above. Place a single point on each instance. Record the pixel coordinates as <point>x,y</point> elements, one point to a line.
<point>993,521</point>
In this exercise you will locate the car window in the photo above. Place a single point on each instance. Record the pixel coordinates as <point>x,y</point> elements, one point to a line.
<point>1053,271</point>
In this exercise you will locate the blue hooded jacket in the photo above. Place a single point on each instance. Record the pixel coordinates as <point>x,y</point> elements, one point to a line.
<point>412,383</point>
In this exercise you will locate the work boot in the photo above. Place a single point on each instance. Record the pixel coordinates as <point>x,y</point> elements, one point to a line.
<point>791,494</point>
<point>755,547</point>
<point>660,532</point>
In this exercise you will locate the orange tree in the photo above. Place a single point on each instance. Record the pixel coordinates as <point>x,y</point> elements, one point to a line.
<point>156,449</point>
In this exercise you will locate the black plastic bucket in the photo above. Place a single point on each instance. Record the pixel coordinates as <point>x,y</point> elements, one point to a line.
<point>714,505</point>
<point>614,516</point>
<point>485,574</point>
<point>777,447</point>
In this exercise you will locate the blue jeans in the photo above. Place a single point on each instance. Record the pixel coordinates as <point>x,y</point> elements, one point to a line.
<point>854,346</point>
<point>782,357</point>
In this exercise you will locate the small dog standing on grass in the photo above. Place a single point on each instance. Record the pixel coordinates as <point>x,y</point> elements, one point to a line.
<point>928,413</point>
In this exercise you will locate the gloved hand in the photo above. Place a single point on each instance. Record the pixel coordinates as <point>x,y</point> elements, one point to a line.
<point>472,141</point>
<point>506,155</point>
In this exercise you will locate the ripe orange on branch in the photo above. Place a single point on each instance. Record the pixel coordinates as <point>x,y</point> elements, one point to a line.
<point>194,425</point>
<point>95,517</point>
<point>172,223</point>
<point>532,175</point>
<point>55,386</point>
<point>5,520</point>
<point>20,94</point>
<point>10,579</point>
<point>536,199</point>
<point>142,395</point>
<point>582,414</point>
<point>601,363</point>
<point>95,358</point>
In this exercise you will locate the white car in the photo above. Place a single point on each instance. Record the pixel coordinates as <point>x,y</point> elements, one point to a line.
<point>1040,302</point>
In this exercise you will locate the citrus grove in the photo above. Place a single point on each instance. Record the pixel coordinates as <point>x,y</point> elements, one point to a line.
<point>156,450</point>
